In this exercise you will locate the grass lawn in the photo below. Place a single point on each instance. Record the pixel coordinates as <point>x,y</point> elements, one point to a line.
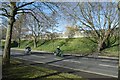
<point>17,70</point>
<point>71,46</point>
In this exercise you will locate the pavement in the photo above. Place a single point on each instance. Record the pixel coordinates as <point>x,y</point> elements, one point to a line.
<point>88,67</point>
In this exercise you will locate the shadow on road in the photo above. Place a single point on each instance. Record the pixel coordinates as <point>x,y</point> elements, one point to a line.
<point>62,58</point>
<point>88,76</point>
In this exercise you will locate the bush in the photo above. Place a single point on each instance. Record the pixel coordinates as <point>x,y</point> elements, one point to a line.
<point>14,44</point>
<point>2,44</point>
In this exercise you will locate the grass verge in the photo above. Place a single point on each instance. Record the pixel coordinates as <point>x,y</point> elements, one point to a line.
<point>19,71</point>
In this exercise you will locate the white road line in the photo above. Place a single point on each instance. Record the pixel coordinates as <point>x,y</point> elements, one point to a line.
<point>108,65</point>
<point>38,56</point>
<point>85,71</point>
<point>104,60</point>
<point>73,68</point>
<point>108,60</point>
<point>72,61</point>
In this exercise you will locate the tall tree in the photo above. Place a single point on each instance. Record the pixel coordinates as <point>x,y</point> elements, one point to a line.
<point>9,10</point>
<point>34,28</point>
<point>98,20</point>
<point>12,9</point>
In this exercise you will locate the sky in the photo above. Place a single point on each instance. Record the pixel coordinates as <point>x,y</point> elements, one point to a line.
<point>62,22</point>
<point>62,25</point>
<point>62,0</point>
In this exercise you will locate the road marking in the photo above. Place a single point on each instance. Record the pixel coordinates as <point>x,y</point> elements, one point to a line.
<point>108,60</point>
<point>85,70</point>
<point>38,56</point>
<point>108,65</point>
<point>104,60</point>
<point>72,61</point>
<point>73,68</point>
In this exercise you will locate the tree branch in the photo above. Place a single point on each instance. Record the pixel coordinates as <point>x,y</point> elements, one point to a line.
<point>4,15</point>
<point>24,5</point>
<point>4,10</point>
<point>29,13</point>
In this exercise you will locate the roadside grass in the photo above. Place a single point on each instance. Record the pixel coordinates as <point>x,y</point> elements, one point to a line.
<point>65,75</point>
<point>18,70</point>
<point>71,46</point>
<point>112,52</point>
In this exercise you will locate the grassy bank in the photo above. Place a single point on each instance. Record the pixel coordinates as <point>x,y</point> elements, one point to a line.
<point>73,46</point>
<point>79,45</point>
<point>19,71</point>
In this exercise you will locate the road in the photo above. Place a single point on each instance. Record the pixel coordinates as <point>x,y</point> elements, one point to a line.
<point>0,64</point>
<point>105,67</point>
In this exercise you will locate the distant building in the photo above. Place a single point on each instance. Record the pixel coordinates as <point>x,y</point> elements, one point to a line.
<point>77,34</point>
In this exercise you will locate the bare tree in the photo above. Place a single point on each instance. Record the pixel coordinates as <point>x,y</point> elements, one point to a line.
<point>98,20</point>
<point>34,29</point>
<point>3,32</point>
<point>71,31</point>
<point>11,10</point>
<point>43,24</point>
<point>18,28</point>
<point>3,27</point>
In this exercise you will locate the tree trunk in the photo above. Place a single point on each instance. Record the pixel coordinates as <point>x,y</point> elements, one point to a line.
<point>35,42</point>
<point>101,46</point>
<point>11,20</point>
<point>6,55</point>
<point>19,40</point>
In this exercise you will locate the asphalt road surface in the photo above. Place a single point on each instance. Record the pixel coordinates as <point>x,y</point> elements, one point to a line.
<point>0,64</point>
<point>105,67</point>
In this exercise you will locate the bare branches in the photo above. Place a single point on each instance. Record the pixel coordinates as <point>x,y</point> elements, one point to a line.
<point>6,14</point>
<point>24,5</point>
<point>51,8</point>
<point>4,10</point>
<point>99,19</point>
